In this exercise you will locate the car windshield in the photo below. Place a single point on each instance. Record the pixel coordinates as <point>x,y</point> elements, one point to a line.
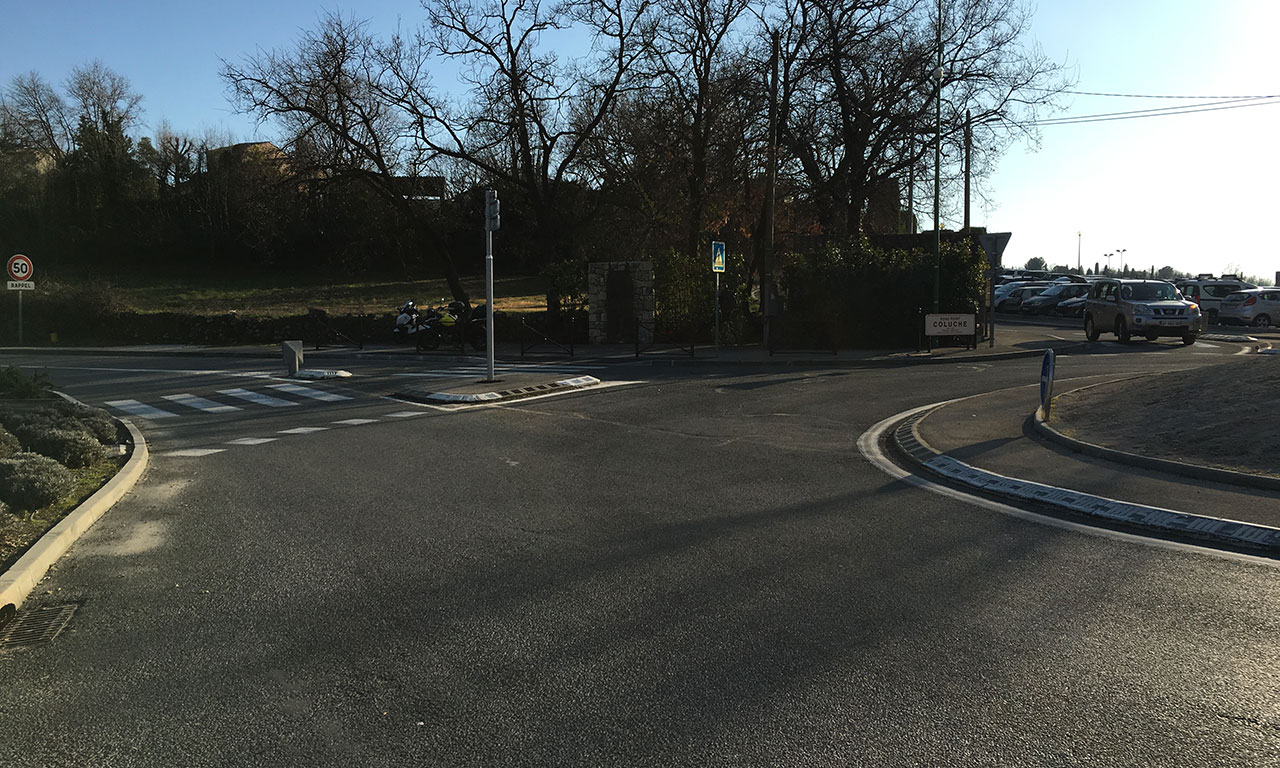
<point>1055,290</point>
<point>1150,292</point>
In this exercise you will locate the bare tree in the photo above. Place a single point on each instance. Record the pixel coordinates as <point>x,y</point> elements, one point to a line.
<point>36,115</point>
<point>103,97</point>
<point>860,80</point>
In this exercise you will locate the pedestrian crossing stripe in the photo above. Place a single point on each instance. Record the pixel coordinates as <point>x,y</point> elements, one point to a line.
<point>142,410</point>
<point>257,398</point>
<point>315,394</point>
<point>201,404</point>
<point>355,422</point>
<point>302,430</point>
<point>252,440</point>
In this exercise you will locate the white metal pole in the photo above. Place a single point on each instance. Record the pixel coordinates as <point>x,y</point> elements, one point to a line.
<point>488,297</point>
<point>19,318</point>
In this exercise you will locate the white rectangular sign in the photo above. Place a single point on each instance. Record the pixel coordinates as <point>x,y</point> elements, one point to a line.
<point>949,325</point>
<point>21,285</point>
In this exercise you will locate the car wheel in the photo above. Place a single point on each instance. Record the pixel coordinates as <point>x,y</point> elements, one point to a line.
<point>1122,331</point>
<point>1152,335</point>
<point>1188,339</point>
<point>1091,331</point>
<point>1261,321</point>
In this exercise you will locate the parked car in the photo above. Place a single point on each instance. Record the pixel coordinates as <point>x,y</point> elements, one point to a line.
<point>1259,307</point>
<point>1150,308</point>
<point>1209,291</point>
<point>1005,289</point>
<point>1044,302</point>
<point>1071,307</point>
<point>1013,300</point>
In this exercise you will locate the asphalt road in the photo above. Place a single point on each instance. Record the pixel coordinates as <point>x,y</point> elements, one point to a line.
<point>696,570</point>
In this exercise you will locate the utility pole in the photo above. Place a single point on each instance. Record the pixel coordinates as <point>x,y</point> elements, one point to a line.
<point>968,152</point>
<point>767,297</point>
<point>937,176</point>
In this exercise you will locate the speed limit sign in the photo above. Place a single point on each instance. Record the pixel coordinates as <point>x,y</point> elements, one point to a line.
<point>20,268</point>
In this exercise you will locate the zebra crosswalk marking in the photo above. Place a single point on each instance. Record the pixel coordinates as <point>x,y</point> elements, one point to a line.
<point>355,422</point>
<point>200,403</point>
<point>252,440</point>
<point>257,398</point>
<point>302,430</point>
<point>315,394</point>
<point>135,408</point>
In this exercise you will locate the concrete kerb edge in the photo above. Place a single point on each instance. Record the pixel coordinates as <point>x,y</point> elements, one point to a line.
<point>480,398</point>
<point>1200,472</point>
<point>1191,534</point>
<point>22,577</point>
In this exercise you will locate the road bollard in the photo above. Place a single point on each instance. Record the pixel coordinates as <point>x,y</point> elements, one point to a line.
<point>292,356</point>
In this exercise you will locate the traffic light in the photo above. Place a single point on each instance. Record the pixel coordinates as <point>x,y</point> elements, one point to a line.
<point>492,217</point>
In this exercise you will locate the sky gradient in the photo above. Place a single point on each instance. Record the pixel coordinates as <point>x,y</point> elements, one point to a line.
<point>1178,190</point>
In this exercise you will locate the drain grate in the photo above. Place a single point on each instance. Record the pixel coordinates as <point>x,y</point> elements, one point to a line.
<point>36,626</point>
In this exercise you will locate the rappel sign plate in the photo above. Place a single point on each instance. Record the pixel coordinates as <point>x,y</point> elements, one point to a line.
<point>717,256</point>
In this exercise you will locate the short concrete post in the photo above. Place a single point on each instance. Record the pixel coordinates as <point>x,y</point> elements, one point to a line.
<point>292,356</point>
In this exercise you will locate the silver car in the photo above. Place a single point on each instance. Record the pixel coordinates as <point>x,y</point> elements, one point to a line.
<point>1259,307</point>
<point>1150,308</point>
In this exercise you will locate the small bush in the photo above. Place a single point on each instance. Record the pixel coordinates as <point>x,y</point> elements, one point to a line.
<point>17,385</point>
<point>29,482</point>
<point>9,444</point>
<point>95,421</point>
<point>73,448</point>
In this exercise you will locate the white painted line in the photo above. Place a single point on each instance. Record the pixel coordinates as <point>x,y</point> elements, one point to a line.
<point>315,394</point>
<point>302,430</point>
<point>869,447</point>
<point>257,398</point>
<point>355,422</point>
<point>142,410</point>
<point>194,452</point>
<point>404,414</point>
<point>201,404</point>
<point>581,381</point>
<point>252,440</point>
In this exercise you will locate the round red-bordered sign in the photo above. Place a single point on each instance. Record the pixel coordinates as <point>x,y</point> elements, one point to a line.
<point>20,267</point>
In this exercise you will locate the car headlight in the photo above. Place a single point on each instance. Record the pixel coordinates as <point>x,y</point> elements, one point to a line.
<point>1142,311</point>
<point>1195,310</point>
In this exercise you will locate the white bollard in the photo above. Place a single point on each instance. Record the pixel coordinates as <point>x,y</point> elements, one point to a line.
<point>292,356</point>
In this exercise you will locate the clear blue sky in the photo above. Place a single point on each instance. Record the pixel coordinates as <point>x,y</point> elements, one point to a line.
<point>1190,191</point>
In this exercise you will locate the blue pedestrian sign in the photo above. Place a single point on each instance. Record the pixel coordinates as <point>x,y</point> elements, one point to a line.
<point>1046,381</point>
<point>717,256</point>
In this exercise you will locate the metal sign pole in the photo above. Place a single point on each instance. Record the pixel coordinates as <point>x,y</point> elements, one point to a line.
<point>488,297</point>
<point>19,318</point>
<point>717,310</point>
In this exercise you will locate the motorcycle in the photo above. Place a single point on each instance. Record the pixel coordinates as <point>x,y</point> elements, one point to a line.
<point>453,323</point>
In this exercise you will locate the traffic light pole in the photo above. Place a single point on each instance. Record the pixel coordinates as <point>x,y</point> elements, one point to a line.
<point>491,222</point>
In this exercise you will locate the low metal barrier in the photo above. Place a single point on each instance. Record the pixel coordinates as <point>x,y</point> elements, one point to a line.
<point>532,338</point>
<point>649,331</point>
<point>327,335</point>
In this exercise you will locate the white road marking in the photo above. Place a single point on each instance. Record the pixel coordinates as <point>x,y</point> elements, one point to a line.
<point>142,410</point>
<point>404,414</point>
<point>257,398</point>
<point>302,430</point>
<point>315,394</point>
<point>869,447</point>
<point>252,440</point>
<point>194,452</point>
<point>355,422</point>
<point>201,404</point>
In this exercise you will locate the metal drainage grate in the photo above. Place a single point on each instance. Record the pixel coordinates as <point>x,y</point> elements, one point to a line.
<point>36,626</point>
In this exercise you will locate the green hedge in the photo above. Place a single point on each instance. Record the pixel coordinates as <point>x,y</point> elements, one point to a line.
<point>29,481</point>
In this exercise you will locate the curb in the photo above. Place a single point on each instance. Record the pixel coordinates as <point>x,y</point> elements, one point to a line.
<point>493,397</point>
<point>1198,529</point>
<point>1214,474</point>
<point>23,576</point>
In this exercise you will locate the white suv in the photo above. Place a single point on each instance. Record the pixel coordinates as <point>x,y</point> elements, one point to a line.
<point>1210,291</point>
<point>1150,308</point>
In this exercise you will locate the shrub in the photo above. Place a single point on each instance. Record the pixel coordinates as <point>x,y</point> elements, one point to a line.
<point>95,421</point>
<point>9,444</point>
<point>17,385</point>
<point>74,448</point>
<point>29,482</point>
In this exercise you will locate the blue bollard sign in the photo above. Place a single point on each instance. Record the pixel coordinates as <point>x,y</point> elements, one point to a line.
<point>1046,381</point>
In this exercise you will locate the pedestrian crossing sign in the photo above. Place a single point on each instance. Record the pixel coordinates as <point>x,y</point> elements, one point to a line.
<point>717,256</point>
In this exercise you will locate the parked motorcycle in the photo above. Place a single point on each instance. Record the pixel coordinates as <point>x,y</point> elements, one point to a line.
<point>454,323</point>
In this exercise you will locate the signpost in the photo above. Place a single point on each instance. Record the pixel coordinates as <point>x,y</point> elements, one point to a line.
<point>1046,381</point>
<point>492,220</point>
<point>993,243</point>
<point>717,266</point>
<point>20,270</point>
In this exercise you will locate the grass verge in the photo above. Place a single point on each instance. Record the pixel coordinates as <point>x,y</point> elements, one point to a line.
<point>17,534</point>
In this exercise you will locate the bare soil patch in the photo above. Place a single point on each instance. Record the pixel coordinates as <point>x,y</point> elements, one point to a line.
<point>1225,416</point>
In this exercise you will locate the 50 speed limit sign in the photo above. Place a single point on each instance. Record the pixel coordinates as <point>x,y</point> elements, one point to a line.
<point>20,268</point>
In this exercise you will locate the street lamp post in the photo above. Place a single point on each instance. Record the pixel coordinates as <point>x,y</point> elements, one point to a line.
<point>1079,267</point>
<point>1120,253</point>
<point>1109,255</point>
<point>937,176</point>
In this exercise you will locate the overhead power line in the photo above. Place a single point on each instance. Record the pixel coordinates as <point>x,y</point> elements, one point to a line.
<point>1164,96</point>
<point>1212,106</point>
